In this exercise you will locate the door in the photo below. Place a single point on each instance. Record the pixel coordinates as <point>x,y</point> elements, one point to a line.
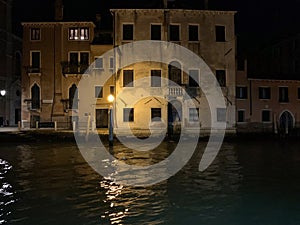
<point>286,120</point>
<point>101,118</point>
<point>17,115</point>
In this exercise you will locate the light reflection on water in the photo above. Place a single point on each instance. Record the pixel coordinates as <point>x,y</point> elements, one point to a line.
<point>248,183</point>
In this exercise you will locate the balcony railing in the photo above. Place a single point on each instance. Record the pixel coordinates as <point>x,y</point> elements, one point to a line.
<point>175,91</point>
<point>71,68</point>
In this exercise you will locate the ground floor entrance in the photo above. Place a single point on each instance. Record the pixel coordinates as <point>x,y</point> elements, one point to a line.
<point>101,118</point>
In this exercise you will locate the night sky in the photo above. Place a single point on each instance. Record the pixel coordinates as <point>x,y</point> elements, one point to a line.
<point>258,22</point>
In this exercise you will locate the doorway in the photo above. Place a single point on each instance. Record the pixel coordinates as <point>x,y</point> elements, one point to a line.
<point>101,118</point>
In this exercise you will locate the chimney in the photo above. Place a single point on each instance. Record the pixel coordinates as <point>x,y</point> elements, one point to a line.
<point>59,10</point>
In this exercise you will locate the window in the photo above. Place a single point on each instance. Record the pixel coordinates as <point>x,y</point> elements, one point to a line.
<point>193,33</point>
<point>127,78</point>
<point>128,114</point>
<point>193,78</point>
<point>264,93</point>
<point>77,58</point>
<point>193,114</point>
<point>221,114</point>
<point>35,97</point>
<point>35,61</point>
<point>155,32</point>
<point>220,34</point>
<point>73,97</point>
<point>155,114</point>
<point>221,77</point>
<point>35,34</point>
<point>266,116</point>
<point>98,63</point>
<point>174,33</point>
<point>127,32</point>
<point>241,116</point>
<point>79,33</point>
<point>298,92</point>
<point>283,94</point>
<point>112,90</point>
<point>99,92</point>
<point>111,63</point>
<point>241,92</point>
<point>155,78</point>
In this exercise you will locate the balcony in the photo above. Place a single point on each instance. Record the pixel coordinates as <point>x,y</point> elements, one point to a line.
<point>30,70</point>
<point>32,105</point>
<point>175,91</point>
<point>70,68</point>
<point>69,104</point>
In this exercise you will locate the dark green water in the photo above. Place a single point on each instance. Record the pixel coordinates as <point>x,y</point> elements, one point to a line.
<point>250,182</point>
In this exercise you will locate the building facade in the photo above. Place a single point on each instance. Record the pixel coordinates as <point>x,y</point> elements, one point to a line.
<point>208,34</point>
<point>56,55</point>
<point>267,105</point>
<point>10,68</point>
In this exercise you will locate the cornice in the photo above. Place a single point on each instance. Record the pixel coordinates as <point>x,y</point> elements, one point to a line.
<point>49,24</point>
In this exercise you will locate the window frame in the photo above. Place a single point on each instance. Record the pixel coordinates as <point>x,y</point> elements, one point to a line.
<point>130,117</point>
<point>156,24</point>
<point>78,36</point>
<point>192,119</point>
<point>155,118</point>
<point>280,97</point>
<point>225,73</point>
<point>242,96</point>
<point>198,32</point>
<point>262,116</point>
<point>151,81</point>
<point>40,59</point>
<point>96,59</point>
<point>127,24</point>
<point>98,96</point>
<point>123,79</point>
<point>179,31</point>
<point>31,34</point>
<point>244,118</point>
<point>217,39</point>
<point>260,89</point>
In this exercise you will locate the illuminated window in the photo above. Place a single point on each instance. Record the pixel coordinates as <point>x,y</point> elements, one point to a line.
<point>127,78</point>
<point>128,114</point>
<point>155,32</point>
<point>128,32</point>
<point>193,33</point>
<point>193,114</point>
<point>35,34</point>
<point>79,34</point>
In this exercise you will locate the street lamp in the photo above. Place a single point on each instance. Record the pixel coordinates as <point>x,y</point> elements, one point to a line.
<point>2,92</point>
<point>110,99</point>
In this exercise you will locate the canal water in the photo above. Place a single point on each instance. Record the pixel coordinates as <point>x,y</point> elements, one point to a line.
<point>250,182</point>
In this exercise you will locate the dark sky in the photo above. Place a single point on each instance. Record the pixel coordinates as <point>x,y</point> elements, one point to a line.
<point>257,22</point>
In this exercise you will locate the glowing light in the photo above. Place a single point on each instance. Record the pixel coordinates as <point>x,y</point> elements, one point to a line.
<point>110,98</point>
<point>2,92</point>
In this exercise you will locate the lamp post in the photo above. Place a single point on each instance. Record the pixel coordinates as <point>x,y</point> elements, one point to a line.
<point>110,99</point>
<point>3,93</point>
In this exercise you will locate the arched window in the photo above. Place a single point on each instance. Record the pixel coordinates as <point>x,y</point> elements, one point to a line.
<point>35,97</point>
<point>73,97</point>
